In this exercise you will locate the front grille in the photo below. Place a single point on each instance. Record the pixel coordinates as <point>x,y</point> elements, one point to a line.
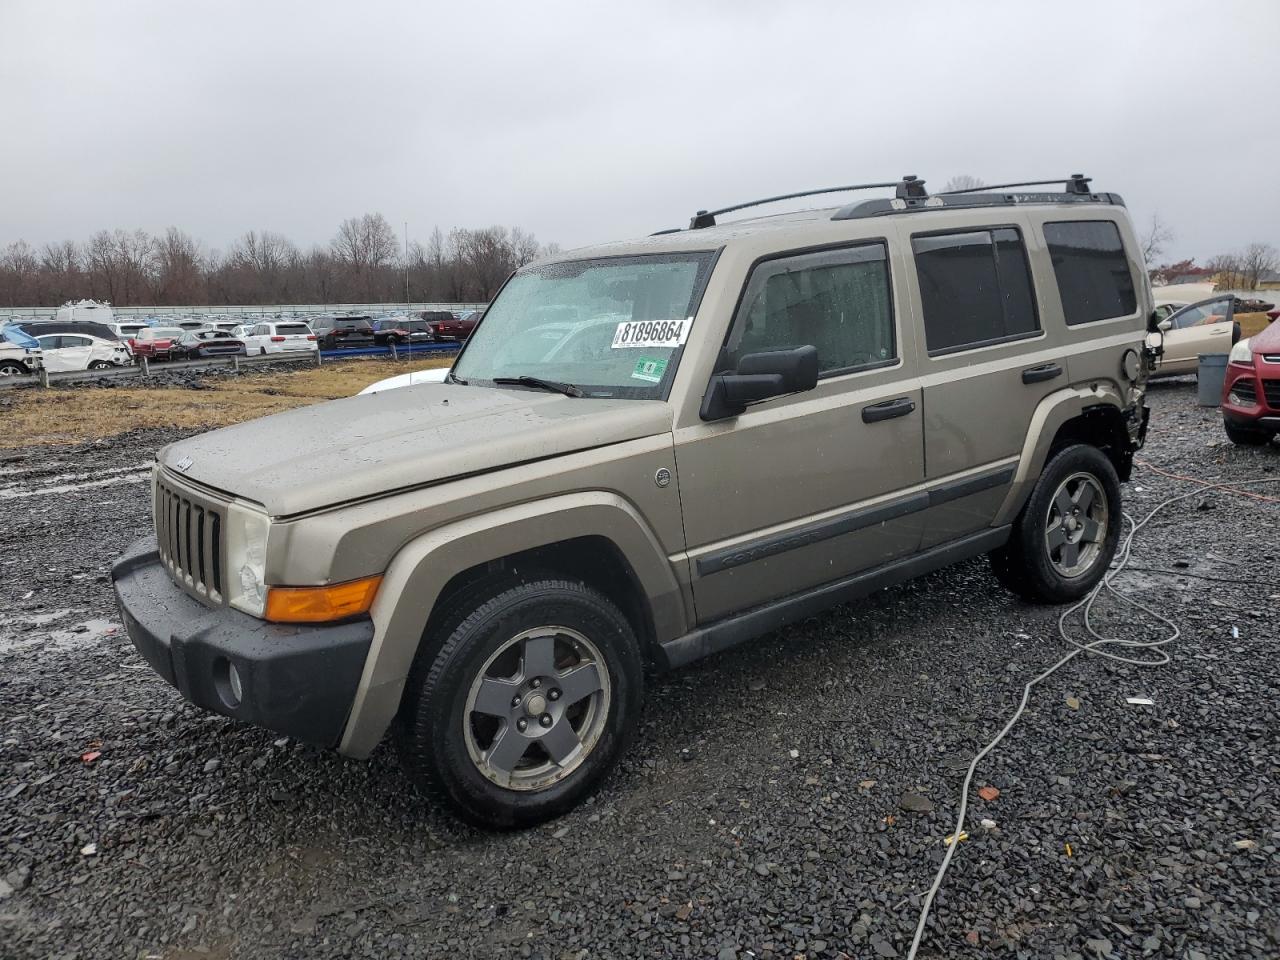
<point>189,532</point>
<point>1244,389</point>
<point>1272,390</point>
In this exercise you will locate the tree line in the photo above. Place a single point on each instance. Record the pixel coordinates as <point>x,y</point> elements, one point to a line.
<point>365,262</point>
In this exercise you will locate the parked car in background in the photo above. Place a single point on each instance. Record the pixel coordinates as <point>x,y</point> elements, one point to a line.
<point>1253,305</point>
<point>128,330</point>
<point>87,328</point>
<point>1251,391</point>
<point>156,343</point>
<point>449,327</point>
<point>335,332</point>
<point>74,351</point>
<point>205,344</point>
<point>189,323</point>
<point>1272,315</point>
<point>434,375</point>
<point>91,310</point>
<point>279,337</point>
<point>1205,327</point>
<point>403,330</point>
<point>20,353</point>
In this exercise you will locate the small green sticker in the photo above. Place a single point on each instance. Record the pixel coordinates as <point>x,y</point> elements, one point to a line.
<point>650,370</point>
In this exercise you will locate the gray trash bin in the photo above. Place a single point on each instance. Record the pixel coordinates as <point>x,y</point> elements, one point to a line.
<point>1213,374</point>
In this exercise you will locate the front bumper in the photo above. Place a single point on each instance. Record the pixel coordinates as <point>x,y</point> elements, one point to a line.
<point>295,679</point>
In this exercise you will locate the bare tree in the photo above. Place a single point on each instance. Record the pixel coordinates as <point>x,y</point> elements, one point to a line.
<point>1258,260</point>
<point>364,245</point>
<point>1227,271</point>
<point>179,277</point>
<point>1154,240</point>
<point>963,182</point>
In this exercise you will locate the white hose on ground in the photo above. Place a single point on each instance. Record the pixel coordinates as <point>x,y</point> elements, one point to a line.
<point>1094,647</point>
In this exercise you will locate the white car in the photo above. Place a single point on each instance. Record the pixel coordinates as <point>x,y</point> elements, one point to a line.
<point>282,337</point>
<point>434,375</point>
<point>74,351</point>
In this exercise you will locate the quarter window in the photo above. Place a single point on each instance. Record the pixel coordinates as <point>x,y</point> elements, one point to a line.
<point>975,289</point>
<point>1092,270</point>
<point>835,300</point>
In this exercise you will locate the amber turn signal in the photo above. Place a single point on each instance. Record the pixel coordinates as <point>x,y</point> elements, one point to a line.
<point>321,604</point>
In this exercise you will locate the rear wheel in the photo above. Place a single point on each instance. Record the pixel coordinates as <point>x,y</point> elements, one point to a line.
<point>1246,436</point>
<point>1066,534</point>
<point>11,368</point>
<point>526,704</point>
<point>100,365</point>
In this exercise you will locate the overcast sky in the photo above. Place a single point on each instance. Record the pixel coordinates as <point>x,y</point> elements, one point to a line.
<point>582,123</point>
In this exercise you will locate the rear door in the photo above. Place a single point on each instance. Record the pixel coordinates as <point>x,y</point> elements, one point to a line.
<point>985,364</point>
<point>806,489</point>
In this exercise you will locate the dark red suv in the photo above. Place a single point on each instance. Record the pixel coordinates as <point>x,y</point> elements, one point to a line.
<point>1251,393</point>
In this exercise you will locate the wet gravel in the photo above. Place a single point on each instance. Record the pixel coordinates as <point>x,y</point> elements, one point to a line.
<point>786,799</point>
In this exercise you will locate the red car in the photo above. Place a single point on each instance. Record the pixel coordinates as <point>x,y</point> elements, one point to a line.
<point>156,343</point>
<point>448,327</point>
<point>1251,393</point>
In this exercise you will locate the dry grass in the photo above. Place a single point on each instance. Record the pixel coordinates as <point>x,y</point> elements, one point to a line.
<point>79,413</point>
<point>1251,323</point>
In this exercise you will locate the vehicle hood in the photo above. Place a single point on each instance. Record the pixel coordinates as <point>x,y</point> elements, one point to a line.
<point>372,444</point>
<point>1266,340</point>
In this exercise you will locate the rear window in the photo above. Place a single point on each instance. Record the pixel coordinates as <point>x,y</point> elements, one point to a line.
<point>361,324</point>
<point>975,288</point>
<point>293,329</point>
<point>1092,270</point>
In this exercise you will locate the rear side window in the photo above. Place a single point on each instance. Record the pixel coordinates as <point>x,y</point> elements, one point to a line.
<point>836,300</point>
<point>1092,270</point>
<point>975,289</point>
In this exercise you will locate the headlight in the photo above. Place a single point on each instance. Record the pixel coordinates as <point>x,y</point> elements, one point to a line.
<point>247,558</point>
<point>1241,353</point>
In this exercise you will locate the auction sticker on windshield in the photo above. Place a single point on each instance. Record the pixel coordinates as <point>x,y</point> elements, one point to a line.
<point>651,333</point>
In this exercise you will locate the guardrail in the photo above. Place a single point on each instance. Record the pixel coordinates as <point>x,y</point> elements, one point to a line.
<point>145,368</point>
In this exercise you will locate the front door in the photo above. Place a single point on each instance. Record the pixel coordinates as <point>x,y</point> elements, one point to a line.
<point>1203,327</point>
<point>804,490</point>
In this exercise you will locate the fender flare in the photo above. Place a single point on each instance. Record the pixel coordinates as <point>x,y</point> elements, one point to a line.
<point>1053,411</point>
<point>421,568</point>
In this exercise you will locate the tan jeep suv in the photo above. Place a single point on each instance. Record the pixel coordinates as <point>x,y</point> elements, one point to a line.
<point>648,452</point>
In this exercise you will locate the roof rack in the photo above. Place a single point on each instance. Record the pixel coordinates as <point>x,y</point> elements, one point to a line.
<point>707,218</point>
<point>912,197</point>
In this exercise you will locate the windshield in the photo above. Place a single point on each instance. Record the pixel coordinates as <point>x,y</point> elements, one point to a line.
<point>614,326</point>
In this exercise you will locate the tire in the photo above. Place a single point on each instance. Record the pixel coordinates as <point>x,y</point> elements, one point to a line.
<point>454,751</point>
<point>1246,436</point>
<point>262,351</point>
<point>11,368</point>
<point>100,365</point>
<point>1039,573</point>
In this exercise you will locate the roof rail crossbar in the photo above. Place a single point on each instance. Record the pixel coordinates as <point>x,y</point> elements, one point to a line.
<point>1076,183</point>
<point>707,218</point>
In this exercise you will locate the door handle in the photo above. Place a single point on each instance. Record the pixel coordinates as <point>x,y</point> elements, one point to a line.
<point>1046,371</point>
<point>888,410</point>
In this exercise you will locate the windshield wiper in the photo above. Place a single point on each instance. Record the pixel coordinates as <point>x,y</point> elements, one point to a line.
<point>568,389</point>
<point>451,378</point>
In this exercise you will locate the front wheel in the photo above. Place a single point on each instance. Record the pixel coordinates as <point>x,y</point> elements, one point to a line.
<point>1066,535</point>
<point>100,365</point>
<point>11,368</point>
<point>525,706</point>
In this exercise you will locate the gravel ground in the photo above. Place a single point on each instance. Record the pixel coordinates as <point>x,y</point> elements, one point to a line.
<point>786,799</point>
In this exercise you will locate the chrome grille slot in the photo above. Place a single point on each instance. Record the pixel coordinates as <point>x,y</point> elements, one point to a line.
<point>189,538</point>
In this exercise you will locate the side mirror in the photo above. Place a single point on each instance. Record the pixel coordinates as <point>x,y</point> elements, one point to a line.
<point>1165,325</point>
<point>760,376</point>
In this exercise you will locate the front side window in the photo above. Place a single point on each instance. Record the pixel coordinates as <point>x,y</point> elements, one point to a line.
<point>835,300</point>
<point>975,289</point>
<point>1202,314</point>
<point>613,327</point>
<point>1092,270</point>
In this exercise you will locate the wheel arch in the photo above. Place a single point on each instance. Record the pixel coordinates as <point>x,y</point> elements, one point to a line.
<point>1092,415</point>
<point>597,536</point>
